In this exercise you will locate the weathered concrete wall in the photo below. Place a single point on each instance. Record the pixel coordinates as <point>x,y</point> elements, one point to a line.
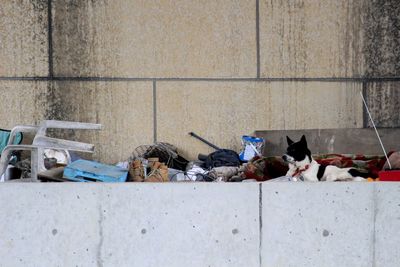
<point>23,38</point>
<point>311,38</point>
<point>330,225</point>
<point>200,224</point>
<point>155,70</point>
<point>337,141</point>
<point>326,38</point>
<point>22,102</point>
<point>384,103</point>
<point>220,111</point>
<point>125,109</point>
<point>129,225</point>
<point>182,38</point>
<point>381,36</point>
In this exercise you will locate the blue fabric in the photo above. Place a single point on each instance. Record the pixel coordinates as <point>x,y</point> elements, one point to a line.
<point>5,135</point>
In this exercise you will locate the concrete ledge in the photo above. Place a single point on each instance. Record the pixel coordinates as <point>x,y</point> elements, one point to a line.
<point>321,224</point>
<point>199,224</point>
<point>129,225</point>
<point>339,141</point>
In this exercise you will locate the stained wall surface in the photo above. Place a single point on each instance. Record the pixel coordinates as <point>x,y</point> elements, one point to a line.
<point>156,70</point>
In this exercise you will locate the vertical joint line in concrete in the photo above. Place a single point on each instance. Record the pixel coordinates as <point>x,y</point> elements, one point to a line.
<point>99,254</point>
<point>365,114</point>
<point>154,111</point>
<point>375,211</point>
<point>260,223</point>
<point>258,36</point>
<point>50,38</point>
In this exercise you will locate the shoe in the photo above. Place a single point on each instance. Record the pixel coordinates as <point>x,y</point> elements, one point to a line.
<point>136,171</point>
<point>164,172</point>
<point>158,173</point>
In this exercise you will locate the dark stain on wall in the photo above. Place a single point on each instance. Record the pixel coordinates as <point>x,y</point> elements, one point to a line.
<point>377,42</point>
<point>59,108</point>
<point>382,38</point>
<point>74,29</point>
<point>38,5</point>
<point>353,43</point>
<point>55,110</point>
<point>384,101</point>
<point>382,59</point>
<point>72,101</point>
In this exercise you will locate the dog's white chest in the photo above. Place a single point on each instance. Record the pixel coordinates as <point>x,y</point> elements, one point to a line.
<point>310,174</point>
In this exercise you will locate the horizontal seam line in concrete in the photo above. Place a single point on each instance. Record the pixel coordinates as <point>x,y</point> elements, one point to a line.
<point>282,79</point>
<point>25,78</point>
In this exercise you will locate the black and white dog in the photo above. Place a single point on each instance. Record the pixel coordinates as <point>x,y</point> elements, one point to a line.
<point>303,167</point>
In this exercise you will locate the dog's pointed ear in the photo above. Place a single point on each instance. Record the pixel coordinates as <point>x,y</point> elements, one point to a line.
<point>303,140</point>
<point>289,141</point>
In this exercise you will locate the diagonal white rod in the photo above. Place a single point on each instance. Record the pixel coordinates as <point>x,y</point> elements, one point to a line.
<point>376,131</point>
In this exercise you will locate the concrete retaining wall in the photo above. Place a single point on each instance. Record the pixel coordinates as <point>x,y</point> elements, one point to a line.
<point>155,70</point>
<point>198,224</point>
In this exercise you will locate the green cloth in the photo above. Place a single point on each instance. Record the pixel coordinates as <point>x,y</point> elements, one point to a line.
<point>5,135</point>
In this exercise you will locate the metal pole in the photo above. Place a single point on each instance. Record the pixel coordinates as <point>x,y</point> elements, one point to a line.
<point>204,140</point>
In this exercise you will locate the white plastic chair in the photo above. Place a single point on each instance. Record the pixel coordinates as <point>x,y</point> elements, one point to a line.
<point>42,142</point>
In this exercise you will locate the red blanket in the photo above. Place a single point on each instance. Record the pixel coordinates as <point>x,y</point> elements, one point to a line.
<point>263,169</point>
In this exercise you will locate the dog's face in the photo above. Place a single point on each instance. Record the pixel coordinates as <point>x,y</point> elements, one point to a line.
<point>297,152</point>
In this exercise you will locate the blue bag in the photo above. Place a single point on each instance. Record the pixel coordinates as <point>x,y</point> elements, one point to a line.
<point>252,146</point>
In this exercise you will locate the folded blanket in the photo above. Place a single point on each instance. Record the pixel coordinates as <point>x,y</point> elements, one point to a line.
<point>370,164</point>
<point>263,169</point>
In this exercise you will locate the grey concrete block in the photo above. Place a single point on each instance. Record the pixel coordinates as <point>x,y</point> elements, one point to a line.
<point>123,108</point>
<point>317,224</point>
<point>133,224</point>
<point>387,224</point>
<point>311,38</point>
<point>183,38</point>
<point>200,224</point>
<point>180,225</point>
<point>381,48</point>
<point>383,100</point>
<point>222,112</point>
<point>22,102</point>
<point>329,38</point>
<point>49,224</point>
<point>23,38</point>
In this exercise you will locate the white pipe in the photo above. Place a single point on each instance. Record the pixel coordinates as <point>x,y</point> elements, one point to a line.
<point>376,131</point>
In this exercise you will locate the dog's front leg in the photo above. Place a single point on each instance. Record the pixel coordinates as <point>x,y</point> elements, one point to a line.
<point>292,170</point>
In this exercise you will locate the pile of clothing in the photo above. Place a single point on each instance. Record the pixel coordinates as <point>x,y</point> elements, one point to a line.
<point>162,163</point>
